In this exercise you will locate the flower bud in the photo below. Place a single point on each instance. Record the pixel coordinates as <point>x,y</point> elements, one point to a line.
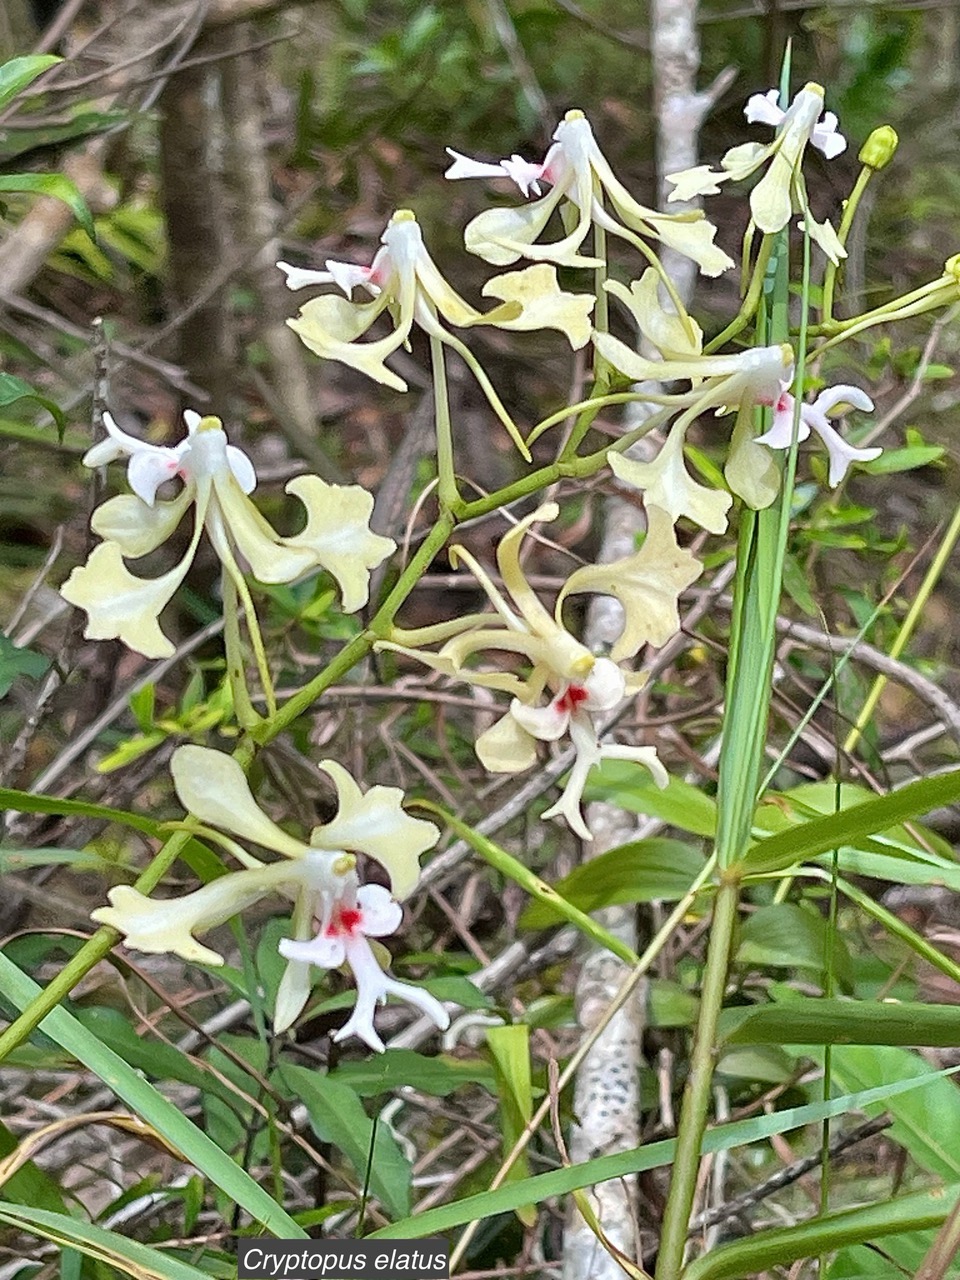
<point>952,267</point>
<point>880,148</point>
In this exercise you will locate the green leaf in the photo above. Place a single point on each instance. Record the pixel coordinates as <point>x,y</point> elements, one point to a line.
<point>510,1049</point>
<point>814,1020</point>
<point>15,661</point>
<point>52,184</point>
<point>337,1116</point>
<point>29,1185</point>
<point>653,1155</point>
<point>83,125</point>
<point>151,1056</point>
<point>796,586</point>
<point>80,859</point>
<point>135,1259</point>
<point>849,825</point>
<point>787,935</point>
<point>668,1005</point>
<point>642,871</point>
<point>438,1076</point>
<point>150,1105</point>
<point>925,1121</point>
<point>630,786</point>
<point>780,1246</point>
<point>894,460</point>
<point>16,74</point>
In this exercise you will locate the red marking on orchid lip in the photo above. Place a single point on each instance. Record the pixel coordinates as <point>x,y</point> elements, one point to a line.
<point>571,698</point>
<point>783,404</point>
<point>346,920</point>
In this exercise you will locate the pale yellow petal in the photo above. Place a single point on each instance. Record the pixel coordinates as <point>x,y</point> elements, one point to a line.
<point>269,556</point>
<point>664,329</point>
<point>374,823</point>
<point>297,981</point>
<point>823,235</point>
<point>167,925</point>
<point>740,161</point>
<point>506,747</point>
<point>666,483</point>
<point>337,535</point>
<point>120,606</point>
<point>648,585</point>
<point>214,788</point>
<point>446,664</point>
<point>331,326</point>
<point>502,236</point>
<point>751,469</point>
<point>694,239</point>
<point>771,200</point>
<point>544,305</point>
<point>136,528</point>
<point>688,184</point>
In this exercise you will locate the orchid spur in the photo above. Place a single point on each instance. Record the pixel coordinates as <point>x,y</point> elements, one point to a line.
<point>782,190</point>
<point>578,172</point>
<point>318,876</point>
<point>404,279</point>
<point>217,479</point>
<point>567,686</point>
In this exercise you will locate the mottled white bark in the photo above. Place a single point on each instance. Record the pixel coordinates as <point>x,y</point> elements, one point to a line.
<point>606,1100</point>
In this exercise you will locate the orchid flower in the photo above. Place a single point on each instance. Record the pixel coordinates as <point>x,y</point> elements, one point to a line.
<point>782,190</point>
<point>567,686</point>
<point>404,279</point>
<point>314,875</point>
<point>814,417</point>
<point>578,173</point>
<point>216,480</point>
<point>721,382</point>
<point>347,921</point>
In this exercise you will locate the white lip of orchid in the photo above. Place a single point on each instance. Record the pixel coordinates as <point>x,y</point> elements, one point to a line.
<point>346,923</point>
<point>764,108</point>
<point>813,417</point>
<point>203,453</point>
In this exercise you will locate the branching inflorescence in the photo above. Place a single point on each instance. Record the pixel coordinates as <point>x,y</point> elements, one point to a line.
<point>557,688</point>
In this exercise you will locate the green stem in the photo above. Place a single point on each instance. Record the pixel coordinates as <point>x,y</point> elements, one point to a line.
<point>360,645</point>
<point>751,301</point>
<point>448,494</point>
<point>696,1095</point>
<point>500,860</point>
<point>89,955</point>
<point>247,717</point>
<point>846,222</point>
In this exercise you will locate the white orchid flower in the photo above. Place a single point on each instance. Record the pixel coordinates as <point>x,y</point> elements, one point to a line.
<point>720,382</point>
<point>217,478</point>
<point>347,921</point>
<point>404,279</point>
<point>814,417</point>
<point>782,191</point>
<point>579,173</point>
<point>578,685</point>
<point>314,875</point>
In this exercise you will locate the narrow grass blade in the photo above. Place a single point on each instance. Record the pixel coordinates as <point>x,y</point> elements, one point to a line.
<point>655,1155</point>
<point>129,1256</point>
<point>150,1105</point>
